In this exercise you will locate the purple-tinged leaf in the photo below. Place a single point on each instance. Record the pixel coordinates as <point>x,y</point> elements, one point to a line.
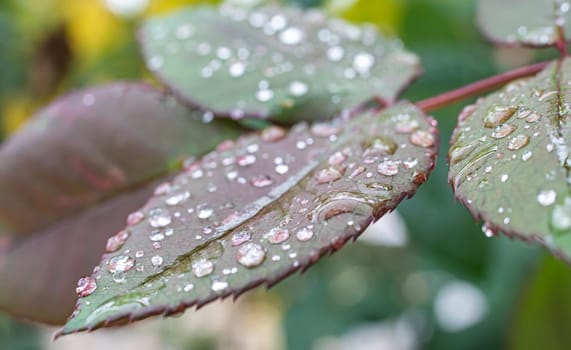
<point>524,22</point>
<point>70,177</point>
<point>269,205</point>
<point>272,62</point>
<point>509,160</point>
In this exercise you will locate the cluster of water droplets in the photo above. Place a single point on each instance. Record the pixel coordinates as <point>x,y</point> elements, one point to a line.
<point>278,60</point>
<point>510,142</point>
<point>273,200</point>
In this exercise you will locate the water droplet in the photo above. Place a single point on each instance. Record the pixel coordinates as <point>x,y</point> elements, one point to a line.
<point>202,268</point>
<point>246,160</point>
<point>86,286</point>
<point>534,117</point>
<point>340,203</point>
<point>260,181</point>
<point>337,158</point>
<point>135,218</point>
<point>240,238</point>
<point>237,69</point>
<point>120,263</point>
<point>488,230</point>
<point>518,142</point>
<point>498,115</point>
<point>388,168</point>
<point>251,254</point>
<point>380,146</point>
<point>503,131</point>
<point>335,53</point>
<point>546,197</point>
<point>422,139</point>
<point>218,286</point>
<point>277,235</point>
<point>407,126</point>
<point>504,178</point>
<point>298,88</point>
<point>116,242</point>
<point>526,156</point>
<point>324,130</point>
<point>273,134</point>
<point>305,234</point>
<point>204,211</point>
<point>264,95</point>
<point>282,169</point>
<point>177,199</point>
<point>159,217</point>
<point>157,260</point>
<point>561,217</point>
<point>328,175</point>
<point>155,63</point>
<point>292,36</point>
<point>156,236</point>
<point>363,62</point>
<point>184,31</point>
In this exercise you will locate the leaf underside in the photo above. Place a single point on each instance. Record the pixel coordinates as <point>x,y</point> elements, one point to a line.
<point>509,159</point>
<point>273,62</point>
<point>530,23</point>
<point>70,177</point>
<point>256,211</point>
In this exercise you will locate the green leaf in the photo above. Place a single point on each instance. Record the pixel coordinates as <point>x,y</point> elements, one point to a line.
<point>524,22</point>
<point>255,213</point>
<point>508,160</point>
<point>70,177</point>
<point>279,63</point>
<point>543,318</point>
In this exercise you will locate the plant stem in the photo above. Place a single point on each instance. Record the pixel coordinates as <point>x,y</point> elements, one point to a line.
<point>447,98</point>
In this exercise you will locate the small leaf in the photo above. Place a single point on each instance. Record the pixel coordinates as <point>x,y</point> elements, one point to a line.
<point>508,160</point>
<point>273,62</point>
<point>252,214</point>
<point>524,22</point>
<point>70,177</point>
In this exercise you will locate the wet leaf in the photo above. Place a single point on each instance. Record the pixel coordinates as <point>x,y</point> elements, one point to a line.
<point>273,62</point>
<point>524,22</point>
<point>269,205</point>
<point>508,160</point>
<point>70,177</point>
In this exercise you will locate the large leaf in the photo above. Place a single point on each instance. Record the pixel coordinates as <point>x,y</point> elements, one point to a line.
<point>269,205</point>
<point>70,177</point>
<point>524,22</point>
<point>543,317</point>
<point>509,159</point>
<point>273,62</point>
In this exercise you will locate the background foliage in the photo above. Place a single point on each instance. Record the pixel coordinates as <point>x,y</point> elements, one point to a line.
<point>366,293</point>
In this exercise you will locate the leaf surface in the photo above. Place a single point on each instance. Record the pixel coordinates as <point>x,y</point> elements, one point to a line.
<point>272,62</point>
<point>509,159</point>
<point>71,175</point>
<point>267,206</point>
<point>524,22</point>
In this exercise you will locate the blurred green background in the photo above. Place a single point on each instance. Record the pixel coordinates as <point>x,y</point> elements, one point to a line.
<point>447,287</point>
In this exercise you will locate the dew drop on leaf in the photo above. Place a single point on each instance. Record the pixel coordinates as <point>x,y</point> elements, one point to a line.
<point>120,263</point>
<point>546,197</point>
<point>86,286</point>
<point>251,254</point>
<point>202,267</point>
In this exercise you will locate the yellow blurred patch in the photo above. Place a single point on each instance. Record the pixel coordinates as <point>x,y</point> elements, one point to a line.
<point>386,14</point>
<point>92,28</point>
<point>164,6</point>
<point>15,112</point>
